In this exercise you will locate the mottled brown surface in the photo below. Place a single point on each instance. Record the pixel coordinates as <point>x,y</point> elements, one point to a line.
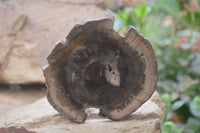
<point>98,67</point>
<point>38,25</point>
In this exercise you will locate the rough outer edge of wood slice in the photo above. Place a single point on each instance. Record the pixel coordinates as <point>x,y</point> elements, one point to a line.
<point>59,97</point>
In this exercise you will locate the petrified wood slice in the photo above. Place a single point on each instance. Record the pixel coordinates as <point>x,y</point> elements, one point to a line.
<point>97,67</point>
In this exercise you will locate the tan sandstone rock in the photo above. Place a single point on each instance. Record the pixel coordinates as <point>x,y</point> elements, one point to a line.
<point>29,31</point>
<point>42,118</point>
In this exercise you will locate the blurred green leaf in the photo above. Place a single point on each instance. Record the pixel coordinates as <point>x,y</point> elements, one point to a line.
<point>169,6</point>
<point>176,105</point>
<point>180,127</point>
<point>169,114</point>
<point>169,86</point>
<point>177,131</point>
<point>197,100</point>
<point>141,11</point>
<point>195,107</point>
<point>195,63</point>
<point>168,127</point>
<point>183,113</point>
<point>190,19</point>
<point>126,15</point>
<point>166,98</point>
<point>197,130</point>
<point>192,125</point>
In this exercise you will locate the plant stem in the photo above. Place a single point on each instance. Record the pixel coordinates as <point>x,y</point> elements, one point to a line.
<point>192,26</point>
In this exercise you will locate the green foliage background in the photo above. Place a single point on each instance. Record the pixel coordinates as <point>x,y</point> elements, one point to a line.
<point>172,26</point>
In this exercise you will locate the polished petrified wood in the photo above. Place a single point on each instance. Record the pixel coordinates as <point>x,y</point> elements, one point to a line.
<point>98,67</point>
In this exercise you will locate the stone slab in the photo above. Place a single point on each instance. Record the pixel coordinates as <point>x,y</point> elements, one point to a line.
<point>26,43</point>
<point>40,117</point>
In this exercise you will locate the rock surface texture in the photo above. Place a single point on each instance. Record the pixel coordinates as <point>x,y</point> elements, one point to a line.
<point>30,29</point>
<point>40,117</point>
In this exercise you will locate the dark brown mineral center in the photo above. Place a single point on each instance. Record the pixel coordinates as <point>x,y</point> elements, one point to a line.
<point>97,67</point>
